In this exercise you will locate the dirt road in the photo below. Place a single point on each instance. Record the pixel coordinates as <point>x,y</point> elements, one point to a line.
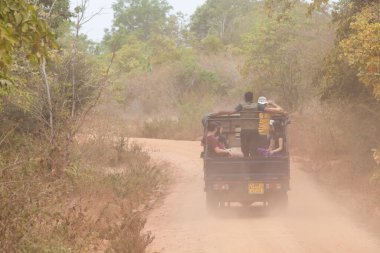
<point>313,223</point>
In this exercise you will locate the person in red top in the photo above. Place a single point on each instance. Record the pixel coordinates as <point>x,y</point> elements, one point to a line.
<point>214,147</point>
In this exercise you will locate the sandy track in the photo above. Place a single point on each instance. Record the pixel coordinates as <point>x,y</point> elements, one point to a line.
<point>313,223</point>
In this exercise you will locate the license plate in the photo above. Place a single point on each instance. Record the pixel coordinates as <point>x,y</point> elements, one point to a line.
<point>256,188</point>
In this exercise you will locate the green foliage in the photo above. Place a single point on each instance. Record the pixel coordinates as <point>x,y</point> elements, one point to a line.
<point>352,62</point>
<point>141,18</point>
<point>21,27</point>
<point>132,56</point>
<point>57,13</point>
<point>163,50</point>
<point>278,54</point>
<point>362,47</point>
<point>28,101</point>
<point>193,78</point>
<point>212,44</point>
<point>216,17</point>
<point>136,56</point>
<point>43,178</point>
<point>337,80</point>
<point>164,76</point>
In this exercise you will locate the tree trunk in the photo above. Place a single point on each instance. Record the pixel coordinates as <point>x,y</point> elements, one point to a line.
<point>47,86</point>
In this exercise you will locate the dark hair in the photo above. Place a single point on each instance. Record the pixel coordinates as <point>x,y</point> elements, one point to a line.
<point>277,126</point>
<point>248,96</point>
<point>211,126</point>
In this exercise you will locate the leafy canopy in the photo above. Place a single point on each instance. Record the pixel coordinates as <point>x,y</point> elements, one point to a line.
<point>141,18</point>
<point>216,17</point>
<point>21,27</point>
<point>362,47</point>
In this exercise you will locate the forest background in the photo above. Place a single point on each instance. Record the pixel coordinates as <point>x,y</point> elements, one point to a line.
<point>68,105</point>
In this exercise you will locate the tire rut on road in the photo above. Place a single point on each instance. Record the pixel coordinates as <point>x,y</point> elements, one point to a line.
<point>182,223</point>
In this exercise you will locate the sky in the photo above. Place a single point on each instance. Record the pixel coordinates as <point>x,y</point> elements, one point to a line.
<point>95,28</point>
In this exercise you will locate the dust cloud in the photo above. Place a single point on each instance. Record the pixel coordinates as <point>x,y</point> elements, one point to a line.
<point>182,223</point>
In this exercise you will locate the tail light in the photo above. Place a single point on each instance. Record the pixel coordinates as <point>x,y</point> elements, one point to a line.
<point>273,186</point>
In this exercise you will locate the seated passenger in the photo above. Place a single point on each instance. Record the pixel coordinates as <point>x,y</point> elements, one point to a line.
<point>219,133</point>
<point>214,147</point>
<point>277,138</point>
<point>220,137</point>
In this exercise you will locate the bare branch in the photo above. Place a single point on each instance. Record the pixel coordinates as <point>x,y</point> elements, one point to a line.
<point>5,136</point>
<point>85,20</point>
<point>101,89</point>
<point>51,9</point>
<point>49,100</point>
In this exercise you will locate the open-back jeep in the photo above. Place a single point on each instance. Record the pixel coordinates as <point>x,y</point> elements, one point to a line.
<point>244,179</point>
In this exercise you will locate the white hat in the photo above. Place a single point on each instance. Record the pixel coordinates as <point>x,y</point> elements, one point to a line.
<point>262,100</point>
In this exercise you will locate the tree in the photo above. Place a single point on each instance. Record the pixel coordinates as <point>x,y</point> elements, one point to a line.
<point>81,19</point>
<point>352,62</point>
<point>278,55</point>
<point>21,27</point>
<point>141,18</point>
<point>355,58</point>
<point>362,47</point>
<point>217,17</point>
<point>57,12</point>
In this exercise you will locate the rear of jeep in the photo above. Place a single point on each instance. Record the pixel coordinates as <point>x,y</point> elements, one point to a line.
<point>246,180</point>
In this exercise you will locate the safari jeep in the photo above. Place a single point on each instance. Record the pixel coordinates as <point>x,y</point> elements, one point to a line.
<point>241,179</point>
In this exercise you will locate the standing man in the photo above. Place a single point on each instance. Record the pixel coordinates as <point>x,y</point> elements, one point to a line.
<point>249,135</point>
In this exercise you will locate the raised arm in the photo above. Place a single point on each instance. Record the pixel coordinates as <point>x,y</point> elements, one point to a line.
<point>273,108</point>
<point>229,112</point>
<point>223,113</point>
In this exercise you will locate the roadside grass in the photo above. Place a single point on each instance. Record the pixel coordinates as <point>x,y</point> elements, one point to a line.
<point>97,204</point>
<point>334,148</point>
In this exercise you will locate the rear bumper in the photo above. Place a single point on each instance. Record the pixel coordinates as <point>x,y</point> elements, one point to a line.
<point>238,191</point>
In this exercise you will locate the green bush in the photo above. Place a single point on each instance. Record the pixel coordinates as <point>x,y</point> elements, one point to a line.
<point>212,44</point>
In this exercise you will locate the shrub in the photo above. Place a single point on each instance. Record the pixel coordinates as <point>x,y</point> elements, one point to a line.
<point>212,44</point>
<point>82,208</point>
